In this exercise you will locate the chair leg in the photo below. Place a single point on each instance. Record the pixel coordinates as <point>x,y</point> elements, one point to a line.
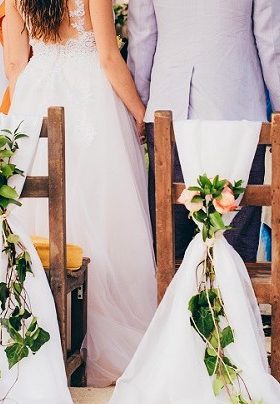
<point>275,339</point>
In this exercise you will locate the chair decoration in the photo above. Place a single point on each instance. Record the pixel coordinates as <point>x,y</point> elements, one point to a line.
<point>23,333</point>
<point>207,202</point>
<point>211,294</point>
<point>26,327</point>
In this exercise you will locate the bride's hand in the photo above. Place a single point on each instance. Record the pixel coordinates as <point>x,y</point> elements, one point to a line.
<point>141,132</point>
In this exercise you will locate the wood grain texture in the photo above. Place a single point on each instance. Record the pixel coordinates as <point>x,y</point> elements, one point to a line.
<point>164,210</point>
<point>275,269</point>
<point>35,187</point>
<point>57,217</point>
<point>265,135</point>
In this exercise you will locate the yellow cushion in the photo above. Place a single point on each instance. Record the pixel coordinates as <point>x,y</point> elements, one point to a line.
<point>74,253</point>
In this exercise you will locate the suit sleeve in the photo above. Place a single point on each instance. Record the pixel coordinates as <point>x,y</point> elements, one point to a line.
<point>266,15</point>
<point>142,29</point>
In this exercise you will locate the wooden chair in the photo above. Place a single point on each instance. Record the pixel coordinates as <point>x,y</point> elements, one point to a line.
<point>61,280</point>
<point>265,276</point>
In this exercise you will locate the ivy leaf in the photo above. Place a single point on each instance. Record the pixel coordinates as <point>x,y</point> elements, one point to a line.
<point>4,294</point>
<point>38,339</point>
<point>3,140</point>
<point>211,352</point>
<point>234,399</point>
<point>203,301</point>
<point>7,171</point>
<point>218,384</point>
<point>21,268</point>
<point>12,332</point>
<point>204,321</point>
<point>13,239</point>
<point>4,202</point>
<point>214,339</point>
<point>8,192</point>
<point>31,327</point>
<point>17,317</point>
<point>15,353</point>
<point>217,307</point>
<point>227,337</point>
<point>210,363</point>
<point>193,304</point>
<point>6,153</point>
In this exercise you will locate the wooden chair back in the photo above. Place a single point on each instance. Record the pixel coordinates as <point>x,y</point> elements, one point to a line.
<point>53,188</point>
<point>265,276</point>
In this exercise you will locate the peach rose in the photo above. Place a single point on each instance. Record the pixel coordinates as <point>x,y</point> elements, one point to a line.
<point>186,199</point>
<point>226,202</point>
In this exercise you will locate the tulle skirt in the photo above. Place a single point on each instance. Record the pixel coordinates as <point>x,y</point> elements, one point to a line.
<point>107,206</point>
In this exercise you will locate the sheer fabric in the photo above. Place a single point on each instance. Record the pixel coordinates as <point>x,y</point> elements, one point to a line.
<point>168,367</point>
<point>107,206</point>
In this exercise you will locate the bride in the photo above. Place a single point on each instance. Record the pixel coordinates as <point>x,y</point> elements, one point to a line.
<point>76,64</point>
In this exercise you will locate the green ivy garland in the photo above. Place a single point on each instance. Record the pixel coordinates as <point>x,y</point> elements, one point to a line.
<point>20,332</point>
<point>208,316</point>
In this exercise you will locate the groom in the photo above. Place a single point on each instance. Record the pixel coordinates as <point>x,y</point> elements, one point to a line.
<point>207,60</point>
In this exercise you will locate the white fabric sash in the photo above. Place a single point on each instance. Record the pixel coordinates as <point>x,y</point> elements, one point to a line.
<point>41,377</point>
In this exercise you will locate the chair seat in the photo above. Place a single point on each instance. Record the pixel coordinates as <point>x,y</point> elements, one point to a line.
<point>74,253</point>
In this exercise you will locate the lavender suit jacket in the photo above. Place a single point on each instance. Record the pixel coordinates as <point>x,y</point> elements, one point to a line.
<point>206,59</point>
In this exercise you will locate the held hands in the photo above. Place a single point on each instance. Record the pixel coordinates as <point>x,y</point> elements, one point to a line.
<point>140,124</point>
<point>141,132</point>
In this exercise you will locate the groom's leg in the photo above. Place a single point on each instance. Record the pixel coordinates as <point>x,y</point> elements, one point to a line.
<point>184,227</point>
<point>244,236</point>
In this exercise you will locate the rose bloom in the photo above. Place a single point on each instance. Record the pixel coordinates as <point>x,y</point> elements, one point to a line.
<point>226,202</point>
<point>186,199</point>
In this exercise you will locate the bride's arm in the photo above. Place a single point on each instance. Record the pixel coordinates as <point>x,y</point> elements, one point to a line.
<point>111,59</point>
<point>16,44</point>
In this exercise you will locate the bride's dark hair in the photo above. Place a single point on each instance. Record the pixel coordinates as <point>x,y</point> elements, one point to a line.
<point>43,17</point>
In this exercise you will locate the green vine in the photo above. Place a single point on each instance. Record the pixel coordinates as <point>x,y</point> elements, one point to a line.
<point>207,203</point>
<point>20,332</point>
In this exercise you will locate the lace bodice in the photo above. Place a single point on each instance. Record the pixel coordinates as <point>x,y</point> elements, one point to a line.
<point>81,44</point>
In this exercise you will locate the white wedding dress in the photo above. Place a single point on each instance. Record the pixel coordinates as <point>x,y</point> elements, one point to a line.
<point>168,367</point>
<point>107,206</point>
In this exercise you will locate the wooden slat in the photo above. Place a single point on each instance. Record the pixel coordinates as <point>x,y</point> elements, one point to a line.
<point>263,268</point>
<point>164,212</point>
<point>73,363</point>
<point>75,279</point>
<point>265,135</point>
<point>275,270</point>
<point>57,215</point>
<point>36,187</point>
<point>260,274</point>
<point>255,195</point>
<point>44,128</point>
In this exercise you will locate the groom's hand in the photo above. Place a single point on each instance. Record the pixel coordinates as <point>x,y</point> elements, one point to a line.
<point>141,132</point>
